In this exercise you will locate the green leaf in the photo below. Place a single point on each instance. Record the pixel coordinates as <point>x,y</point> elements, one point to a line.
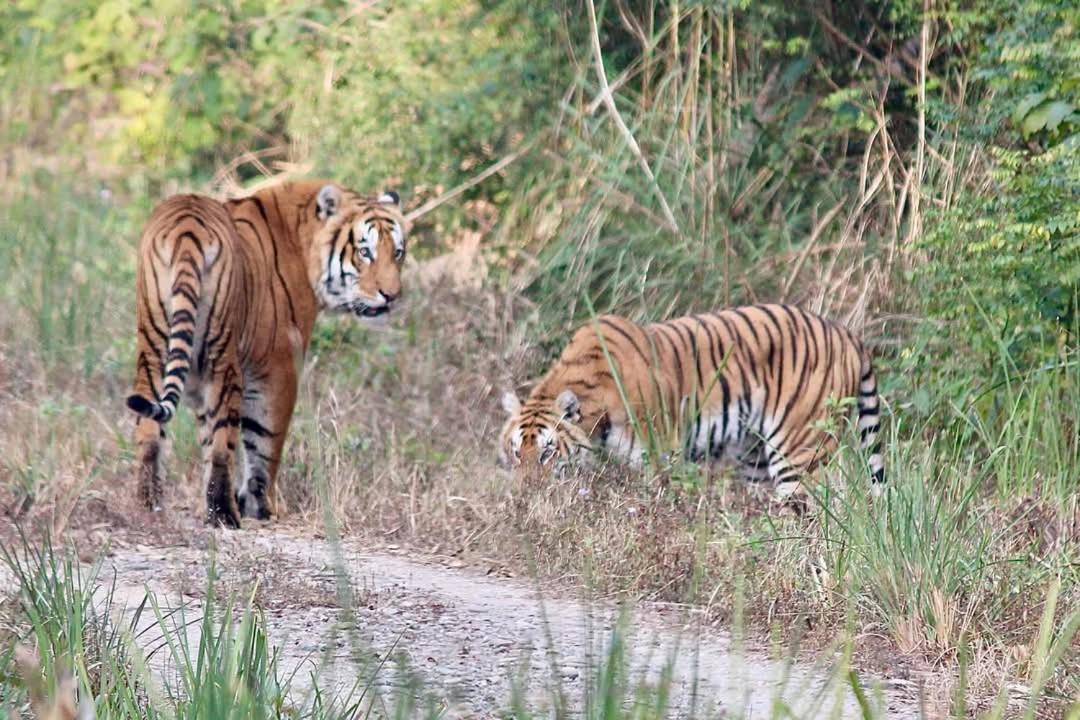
<point>1058,110</point>
<point>1036,120</point>
<point>1025,105</point>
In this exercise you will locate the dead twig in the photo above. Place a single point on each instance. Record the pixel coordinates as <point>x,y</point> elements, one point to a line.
<point>59,707</point>
<point>471,182</point>
<point>628,137</point>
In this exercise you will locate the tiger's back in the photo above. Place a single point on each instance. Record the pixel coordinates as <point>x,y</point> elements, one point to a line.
<point>747,384</point>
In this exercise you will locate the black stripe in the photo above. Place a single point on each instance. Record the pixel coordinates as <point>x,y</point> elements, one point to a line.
<point>182,335</point>
<point>350,243</point>
<point>714,343</point>
<point>777,392</point>
<point>277,265</point>
<point>146,301</point>
<point>152,377</point>
<point>230,421</point>
<point>189,259</point>
<point>182,315</point>
<point>608,322</point>
<point>191,236</point>
<point>227,391</point>
<point>252,448</point>
<point>692,336</point>
<point>185,292</point>
<point>675,353</point>
<point>582,359</point>
<point>749,323</point>
<point>253,426</point>
<point>200,364</point>
<point>151,343</point>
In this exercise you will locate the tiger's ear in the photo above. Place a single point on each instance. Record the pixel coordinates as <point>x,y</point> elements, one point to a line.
<point>569,405</point>
<point>510,403</point>
<point>327,201</point>
<point>390,197</point>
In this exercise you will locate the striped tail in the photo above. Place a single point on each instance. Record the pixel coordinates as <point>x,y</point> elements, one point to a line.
<point>186,290</point>
<point>870,424</point>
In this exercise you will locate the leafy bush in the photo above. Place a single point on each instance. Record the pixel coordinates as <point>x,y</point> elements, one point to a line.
<point>166,89</point>
<point>1004,271</point>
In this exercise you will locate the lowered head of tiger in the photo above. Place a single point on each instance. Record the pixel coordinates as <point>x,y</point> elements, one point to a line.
<point>226,299</point>
<point>753,386</point>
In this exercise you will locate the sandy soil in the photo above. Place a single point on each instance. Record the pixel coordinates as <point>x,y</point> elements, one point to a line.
<point>469,638</point>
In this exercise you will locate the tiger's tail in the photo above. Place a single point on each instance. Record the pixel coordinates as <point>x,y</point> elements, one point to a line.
<point>186,291</point>
<point>870,423</point>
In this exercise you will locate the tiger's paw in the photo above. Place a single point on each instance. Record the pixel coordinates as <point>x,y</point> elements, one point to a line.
<point>791,499</point>
<point>223,517</point>
<point>256,506</point>
<point>793,508</point>
<point>150,499</point>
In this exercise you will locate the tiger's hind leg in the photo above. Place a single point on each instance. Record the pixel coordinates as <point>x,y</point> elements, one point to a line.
<point>150,448</point>
<point>220,431</point>
<point>150,443</point>
<point>264,424</point>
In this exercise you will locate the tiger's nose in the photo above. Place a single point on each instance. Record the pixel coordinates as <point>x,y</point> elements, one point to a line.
<point>389,297</point>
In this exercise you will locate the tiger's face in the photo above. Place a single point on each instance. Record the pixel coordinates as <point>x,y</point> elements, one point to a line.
<point>541,435</point>
<point>355,262</point>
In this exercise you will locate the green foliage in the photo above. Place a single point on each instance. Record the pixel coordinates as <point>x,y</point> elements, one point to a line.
<point>428,92</point>
<point>1004,271</point>
<point>66,260</point>
<point>419,94</point>
<point>66,614</point>
<point>730,143</point>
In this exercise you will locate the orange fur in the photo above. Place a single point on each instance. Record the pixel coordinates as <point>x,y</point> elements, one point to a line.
<point>227,295</point>
<point>749,384</point>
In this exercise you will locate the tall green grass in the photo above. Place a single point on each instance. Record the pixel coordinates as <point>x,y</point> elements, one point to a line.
<point>704,182</point>
<point>69,257</point>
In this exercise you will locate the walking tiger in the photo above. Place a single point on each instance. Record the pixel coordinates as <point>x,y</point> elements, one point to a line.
<point>227,295</point>
<point>751,383</point>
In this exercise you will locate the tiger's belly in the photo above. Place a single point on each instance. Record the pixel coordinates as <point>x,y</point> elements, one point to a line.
<point>713,438</point>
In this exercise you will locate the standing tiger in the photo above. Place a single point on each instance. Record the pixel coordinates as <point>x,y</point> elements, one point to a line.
<point>227,297</point>
<point>751,385</point>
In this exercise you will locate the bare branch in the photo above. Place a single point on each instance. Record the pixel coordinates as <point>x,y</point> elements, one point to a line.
<point>471,182</point>
<point>609,102</point>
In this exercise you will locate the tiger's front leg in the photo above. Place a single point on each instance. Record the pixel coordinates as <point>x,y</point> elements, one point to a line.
<point>622,442</point>
<point>267,411</point>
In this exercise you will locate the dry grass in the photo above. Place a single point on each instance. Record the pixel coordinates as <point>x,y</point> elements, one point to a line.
<point>60,704</point>
<point>393,443</point>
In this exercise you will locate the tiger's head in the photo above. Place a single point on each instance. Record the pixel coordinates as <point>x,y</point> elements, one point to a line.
<point>542,433</point>
<point>355,260</point>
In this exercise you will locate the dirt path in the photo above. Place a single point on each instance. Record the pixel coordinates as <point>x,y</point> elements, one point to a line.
<point>466,635</point>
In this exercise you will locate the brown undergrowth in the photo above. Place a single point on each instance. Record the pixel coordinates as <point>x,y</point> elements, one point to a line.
<point>393,444</point>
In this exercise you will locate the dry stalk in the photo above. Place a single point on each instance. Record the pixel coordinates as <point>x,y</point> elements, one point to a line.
<point>628,137</point>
